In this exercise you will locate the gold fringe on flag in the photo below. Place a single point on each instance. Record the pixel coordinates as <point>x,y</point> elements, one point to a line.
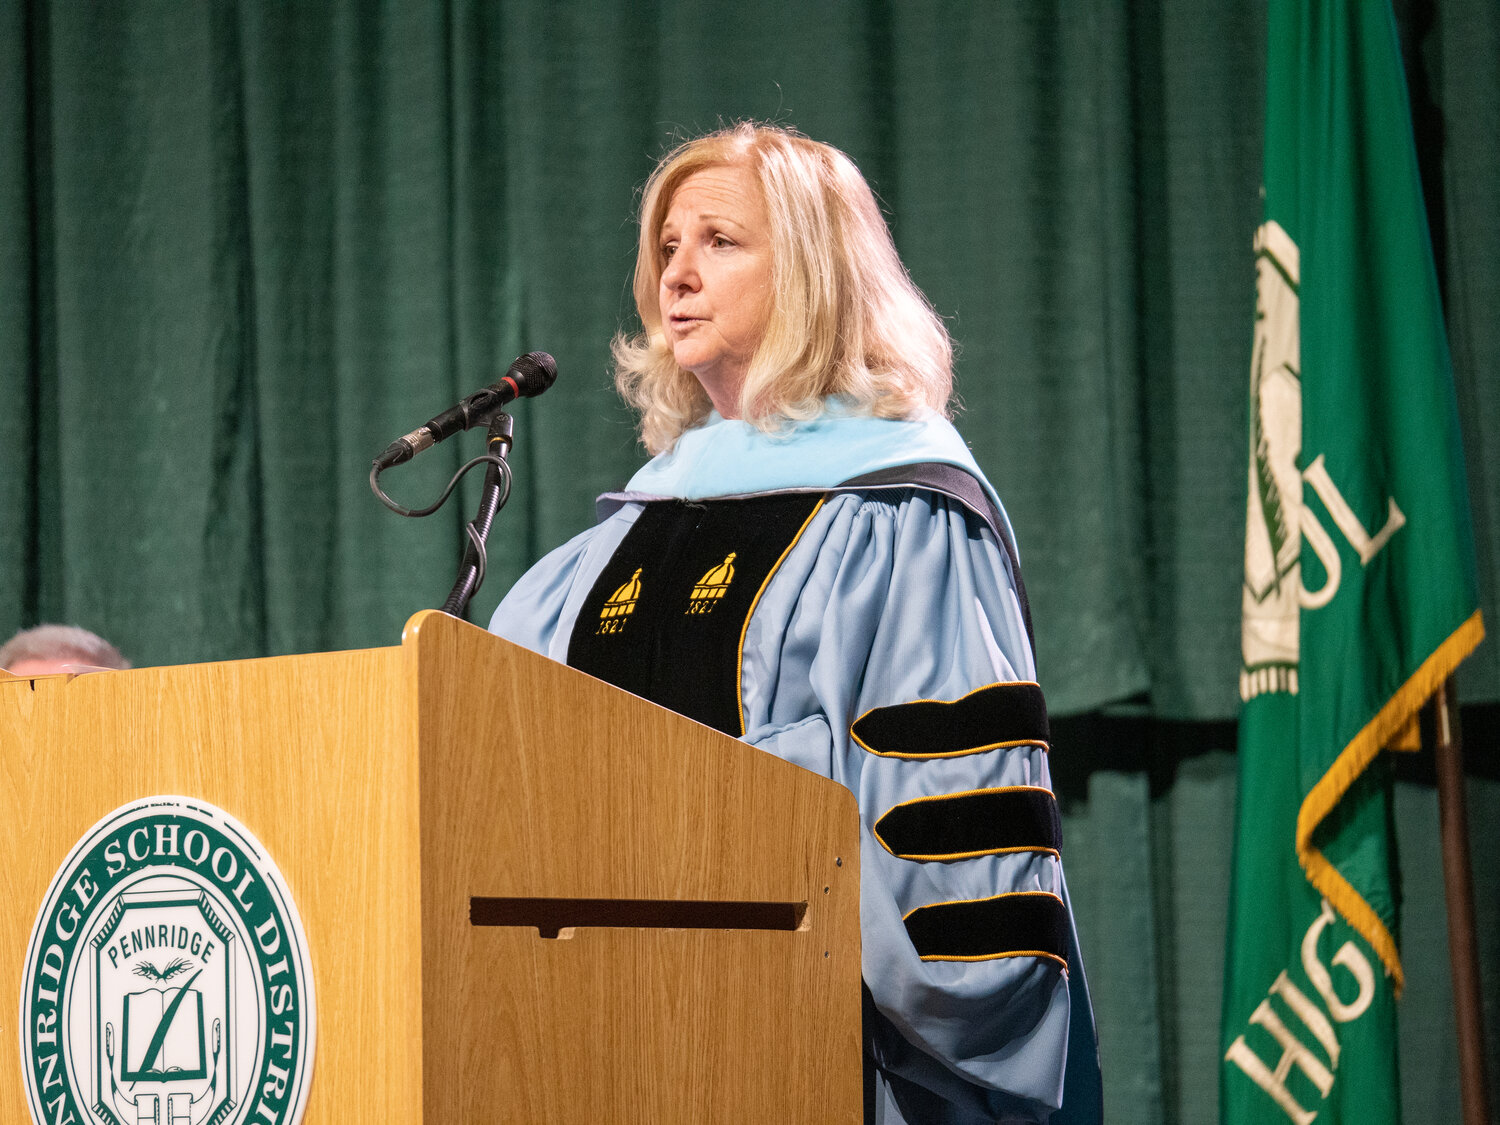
<point>1389,724</point>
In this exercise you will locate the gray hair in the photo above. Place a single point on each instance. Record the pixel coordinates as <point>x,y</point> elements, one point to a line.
<point>62,643</point>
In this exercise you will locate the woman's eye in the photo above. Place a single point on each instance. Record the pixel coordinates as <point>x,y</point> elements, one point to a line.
<point>668,250</point>
<point>720,241</point>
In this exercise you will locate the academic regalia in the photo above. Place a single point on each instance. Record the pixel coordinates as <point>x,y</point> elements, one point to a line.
<point>877,636</point>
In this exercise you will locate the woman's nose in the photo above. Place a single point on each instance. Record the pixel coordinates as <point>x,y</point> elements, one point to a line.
<point>681,272</point>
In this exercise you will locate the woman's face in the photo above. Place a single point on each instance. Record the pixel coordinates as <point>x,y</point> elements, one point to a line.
<point>715,291</point>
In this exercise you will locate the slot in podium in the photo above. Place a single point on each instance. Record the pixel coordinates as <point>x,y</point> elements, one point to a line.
<point>524,894</point>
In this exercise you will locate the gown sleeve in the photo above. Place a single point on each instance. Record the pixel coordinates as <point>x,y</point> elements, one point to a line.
<point>889,652</point>
<point>539,610</point>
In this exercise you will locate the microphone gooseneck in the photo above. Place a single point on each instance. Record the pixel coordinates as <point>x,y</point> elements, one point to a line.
<point>529,375</point>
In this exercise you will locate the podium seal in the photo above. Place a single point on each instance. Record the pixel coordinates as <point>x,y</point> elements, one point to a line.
<point>168,979</point>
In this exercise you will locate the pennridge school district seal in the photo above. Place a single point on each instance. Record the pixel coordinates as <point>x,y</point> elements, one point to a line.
<point>168,980</point>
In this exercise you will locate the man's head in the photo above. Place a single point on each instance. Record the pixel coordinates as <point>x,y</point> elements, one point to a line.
<point>48,649</point>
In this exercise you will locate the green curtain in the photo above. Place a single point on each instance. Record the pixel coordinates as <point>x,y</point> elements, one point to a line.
<point>245,245</point>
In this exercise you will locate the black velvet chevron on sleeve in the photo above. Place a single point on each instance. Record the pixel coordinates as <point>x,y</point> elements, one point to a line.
<point>1011,925</point>
<point>983,822</point>
<point>994,716</point>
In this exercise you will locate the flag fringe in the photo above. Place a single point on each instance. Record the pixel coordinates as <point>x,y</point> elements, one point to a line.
<point>1346,768</point>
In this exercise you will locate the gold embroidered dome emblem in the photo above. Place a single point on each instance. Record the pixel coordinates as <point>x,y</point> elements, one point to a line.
<point>620,605</point>
<point>712,586</point>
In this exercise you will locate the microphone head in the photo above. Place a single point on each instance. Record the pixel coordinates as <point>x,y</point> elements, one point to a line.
<point>533,373</point>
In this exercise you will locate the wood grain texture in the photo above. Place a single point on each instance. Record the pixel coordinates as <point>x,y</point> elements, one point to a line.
<point>314,755</point>
<point>554,784</point>
<point>391,786</point>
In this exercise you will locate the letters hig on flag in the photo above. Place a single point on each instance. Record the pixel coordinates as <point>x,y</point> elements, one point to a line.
<point>1359,597</point>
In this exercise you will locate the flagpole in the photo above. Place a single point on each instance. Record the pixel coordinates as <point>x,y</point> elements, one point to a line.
<point>1458,885</point>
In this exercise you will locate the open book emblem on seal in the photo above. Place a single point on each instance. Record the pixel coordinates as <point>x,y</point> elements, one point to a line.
<point>163,967</point>
<point>168,980</point>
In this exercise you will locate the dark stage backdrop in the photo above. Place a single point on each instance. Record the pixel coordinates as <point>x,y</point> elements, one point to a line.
<point>242,246</point>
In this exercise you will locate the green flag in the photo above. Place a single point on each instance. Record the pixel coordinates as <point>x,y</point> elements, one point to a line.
<point>1360,595</point>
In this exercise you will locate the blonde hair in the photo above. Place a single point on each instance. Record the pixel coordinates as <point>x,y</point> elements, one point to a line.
<point>846,318</point>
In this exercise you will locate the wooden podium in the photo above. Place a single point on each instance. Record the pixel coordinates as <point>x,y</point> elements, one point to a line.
<point>436,809</point>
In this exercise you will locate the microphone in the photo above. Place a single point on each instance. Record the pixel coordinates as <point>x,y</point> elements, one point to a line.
<point>528,376</point>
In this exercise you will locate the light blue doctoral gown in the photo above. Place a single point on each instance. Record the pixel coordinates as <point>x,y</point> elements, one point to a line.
<point>886,598</point>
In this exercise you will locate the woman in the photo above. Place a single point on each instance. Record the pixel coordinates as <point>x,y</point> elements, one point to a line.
<point>814,563</point>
